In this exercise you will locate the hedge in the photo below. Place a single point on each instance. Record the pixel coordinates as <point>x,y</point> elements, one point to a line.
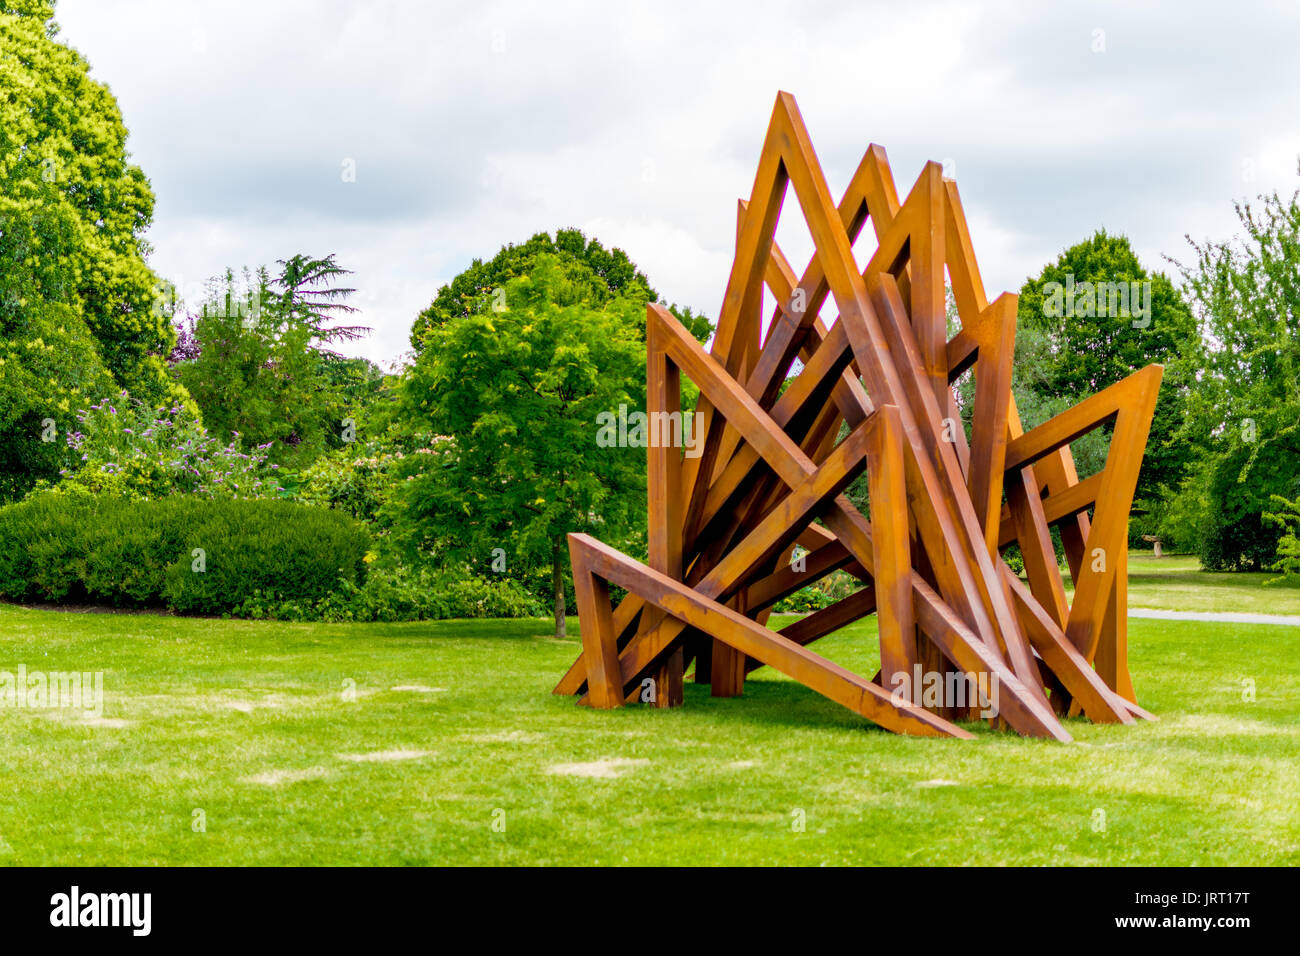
<point>143,553</point>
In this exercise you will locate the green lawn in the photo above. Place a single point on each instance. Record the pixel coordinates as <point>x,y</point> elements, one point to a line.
<point>453,726</point>
<point>1177,583</point>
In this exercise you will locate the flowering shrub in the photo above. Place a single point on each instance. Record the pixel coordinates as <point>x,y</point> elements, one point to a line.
<point>123,448</point>
<point>804,601</point>
<point>356,479</point>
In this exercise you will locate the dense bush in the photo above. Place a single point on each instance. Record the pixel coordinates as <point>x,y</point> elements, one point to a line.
<point>142,553</point>
<point>280,549</point>
<point>803,601</point>
<point>1243,485</point>
<point>400,594</point>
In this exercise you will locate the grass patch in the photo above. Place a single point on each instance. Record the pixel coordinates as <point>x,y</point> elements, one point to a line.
<point>402,743</point>
<point>1177,583</point>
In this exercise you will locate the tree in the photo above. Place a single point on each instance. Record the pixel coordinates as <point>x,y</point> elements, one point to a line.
<point>1285,516</point>
<point>49,368</point>
<point>49,361</point>
<point>1088,320</point>
<point>515,386</point>
<point>256,360</point>
<point>42,10</point>
<point>308,296</point>
<point>600,273</point>
<point>63,158</point>
<point>1245,408</point>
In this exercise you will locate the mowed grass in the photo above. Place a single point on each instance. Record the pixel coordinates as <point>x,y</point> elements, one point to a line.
<point>452,728</point>
<point>1177,583</point>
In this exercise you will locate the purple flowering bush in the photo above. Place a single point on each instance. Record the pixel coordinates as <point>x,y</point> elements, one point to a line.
<point>124,448</point>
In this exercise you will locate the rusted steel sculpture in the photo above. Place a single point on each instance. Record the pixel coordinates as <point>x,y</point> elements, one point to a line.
<point>874,393</point>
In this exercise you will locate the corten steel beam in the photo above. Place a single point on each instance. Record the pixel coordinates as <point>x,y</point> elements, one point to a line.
<point>873,395</point>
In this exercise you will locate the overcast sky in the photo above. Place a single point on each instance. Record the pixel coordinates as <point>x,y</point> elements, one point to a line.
<point>473,125</point>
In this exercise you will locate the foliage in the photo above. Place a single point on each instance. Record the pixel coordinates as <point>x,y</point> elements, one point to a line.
<point>50,362</point>
<point>256,364</point>
<point>271,549</point>
<point>1243,482</point>
<point>804,601</point>
<point>598,274</point>
<point>1180,518</point>
<point>1037,404</point>
<point>42,10</point>
<point>309,297</point>
<point>357,479</point>
<point>81,208</point>
<point>49,368</point>
<point>1287,518</point>
<point>353,388</point>
<point>1246,406</point>
<point>123,448</point>
<point>142,553</point>
<point>403,594</point>
<point>515,388</point>
<point>1014,559</point>
<point>834,587</point>
<point>1088,320</point>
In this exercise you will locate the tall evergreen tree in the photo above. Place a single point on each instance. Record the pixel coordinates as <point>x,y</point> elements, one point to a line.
<point>256,359</point>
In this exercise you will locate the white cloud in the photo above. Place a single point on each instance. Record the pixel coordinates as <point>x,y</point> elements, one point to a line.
<point>641,123</point>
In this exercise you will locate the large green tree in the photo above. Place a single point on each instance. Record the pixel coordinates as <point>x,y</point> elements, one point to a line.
<point>1089,319</point>
<point>599,274</point>
<point>513,389</point>
<point>49,362</point>
<point>1245,412</point>
<point>63,160</point>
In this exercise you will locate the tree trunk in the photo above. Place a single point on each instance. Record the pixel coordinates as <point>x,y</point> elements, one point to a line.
<point>557,581</point>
